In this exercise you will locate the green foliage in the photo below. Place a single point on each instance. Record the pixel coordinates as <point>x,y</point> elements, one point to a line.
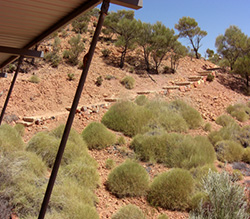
<point>237,175</point>
<point>178,51</point>
<point>80,25</point>
<point>106,52</point>
<point>141,100</point>
<point>225,198</point>
<point>224,120</point>
<point>191,115</point>
<point>128,82</point>
<point>126,117</point>
<point>99,81</point>
<point>109,77</point>
<point>207,127</point>
<point>34,79</point>
<point>53,57</point>
<point>121,141</point>
<point>46,145</point>
<point>128,179</point>
<point>188,28</point>
<point>210,77</point>
<point>199,198</point>
<point>239,111</point>
<point>71,76</point>
<point>228,151</point>
<point>84,170</point>
<point>76,48</point>
<point>246,155</point>
<point>22,181</point>
<point>20,129</point>
<point>97,136</point>
<point>109,164</point>
<point>163,216</point>
<point>174,150</point>
<point>10,139</point>
<point>129,212</point>
<point>171,190</point>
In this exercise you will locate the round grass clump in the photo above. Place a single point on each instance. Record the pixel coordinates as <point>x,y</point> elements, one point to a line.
<point>128,179</point>
<point>246,155</point>
<point>141,100</point>
<point>129,212</point>
<point>10,139</point>
<point>239,111</point>
<point>224,120</point>
<point>128,82</point>
<point>97,136</point>
<point>207,127</point>
<point>46,145</point>
<point>163,216</point>
<point>171,190</point>
<point>192,116</point>
<point>127,117</point>
<point>229,151</point>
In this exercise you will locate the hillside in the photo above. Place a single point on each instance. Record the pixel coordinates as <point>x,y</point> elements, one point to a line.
<point>47,101</point>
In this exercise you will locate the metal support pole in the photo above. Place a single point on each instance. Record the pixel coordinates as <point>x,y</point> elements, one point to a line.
<point>87,61</point>
<point>11,88</point>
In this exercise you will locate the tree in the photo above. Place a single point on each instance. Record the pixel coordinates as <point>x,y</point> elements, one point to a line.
<point>231,45</point>
<point>188,28</point>
<point>241,67</point>
<point>144,39</point>
<point>124,25</point>
<point>210,53</point>
<point>163,40</point>
<point>177,52</point>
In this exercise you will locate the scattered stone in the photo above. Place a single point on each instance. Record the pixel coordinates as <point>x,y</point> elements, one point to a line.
<point>28,119</point>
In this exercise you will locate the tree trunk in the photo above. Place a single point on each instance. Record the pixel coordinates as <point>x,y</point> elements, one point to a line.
<point>196,53</point>
<point>146,60</point>
<point>122,60</point>
<point>247,77</point>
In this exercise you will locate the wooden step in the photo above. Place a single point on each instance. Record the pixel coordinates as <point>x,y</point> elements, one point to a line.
<point>111,99</point>
<point>170,87</point>
<point>204,73</point>
<point>26,124</point>
<point>183,83</point>
<point>194,78</point>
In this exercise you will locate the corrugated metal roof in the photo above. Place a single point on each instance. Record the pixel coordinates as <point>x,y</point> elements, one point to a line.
<point>24,23</point>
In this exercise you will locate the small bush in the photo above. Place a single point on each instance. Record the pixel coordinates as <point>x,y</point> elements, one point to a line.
<point>207,127</point>
<point>210,77</point>
<point>128,179</point>
<point>141,100</point>
<point>71,76</point>
<point>224,120</point>
<point>121,141</point>
<point>239,111</point>
<point>163,216</point>
<point>237,175</point>
<point>126,117</point>
<point>246,155</point>
<point>106,52</point>
<point>225,199</point>
<point>99,81</point>
<point>229,151</point>
<point>10,139</point>
<point>109,164</point>
<point>97,136</point>
<point>128,82</point>
<point>34,79</point>
<point>191,115</point>
<point>129,212</point>
<point>171,190</point>
<point>168,70</point>
<point>20,129</point>
<point>109,77</point>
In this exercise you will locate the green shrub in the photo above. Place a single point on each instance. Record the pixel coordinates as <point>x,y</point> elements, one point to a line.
<point>225,199</point>
<point>97,136</point>
<point>237,175</point>
<point>128,179</point>
<point>121,141</point>
<point>98,81</point>
<point>128,82</point>
<point>34,79</point>
<point>126,117</point>
<point>109,164</point>
<point>246,155</point>
<point>129,212</point>
<point>10,139</point>
<point>20,129</point>
<point>224,120</point>
<point>229,151</point>
<point>71,76</point>
<point>199,198</point>
<point>22,181</point>
<point>191,115</point>
<point>239,111</point>
<point>84,170</point>
<point>141,100</point>
<point>162,216</point>
<point>171,190</point>
<point>210,77</point>
<point>207,127</point>
<point>46,145</point>
<point>106,52</point>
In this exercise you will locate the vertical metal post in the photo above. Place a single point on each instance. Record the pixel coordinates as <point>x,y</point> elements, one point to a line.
<point>11,88</point>
<point>87,61</point>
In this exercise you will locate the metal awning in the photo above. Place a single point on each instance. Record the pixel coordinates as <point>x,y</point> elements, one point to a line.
<point>25,23</point>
